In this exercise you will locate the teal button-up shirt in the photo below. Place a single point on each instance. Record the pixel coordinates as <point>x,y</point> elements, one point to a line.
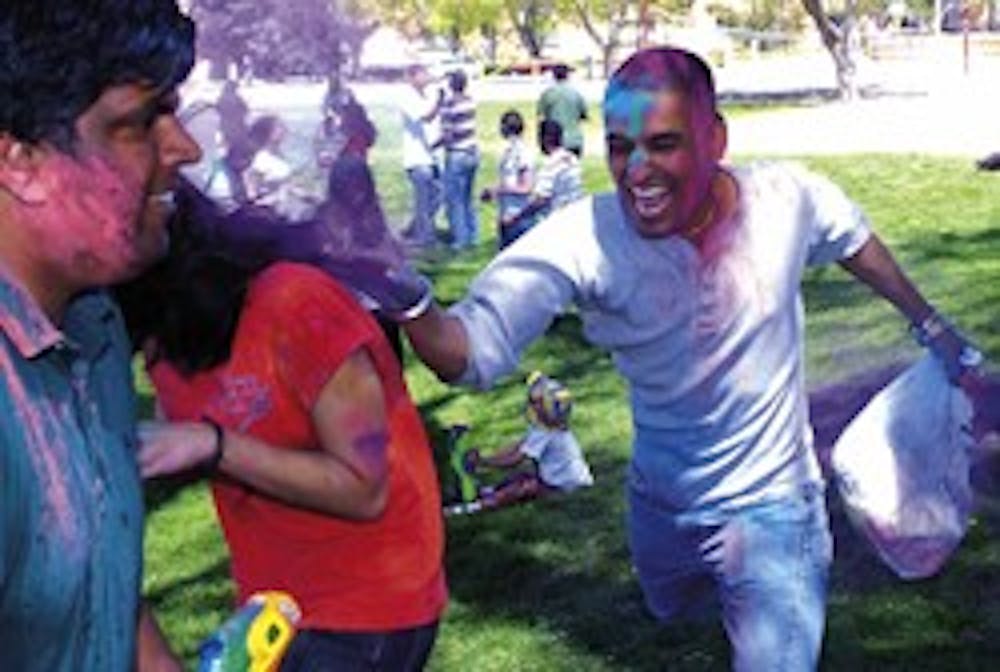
<point>71,515</point>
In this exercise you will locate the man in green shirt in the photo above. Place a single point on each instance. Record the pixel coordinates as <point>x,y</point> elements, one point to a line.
<point>89,152</point>
<point>564,104</point>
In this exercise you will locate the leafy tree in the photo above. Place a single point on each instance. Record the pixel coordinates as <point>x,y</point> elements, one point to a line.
<point>459,18</point>
<point>275,38</point>
<point>354,22</point>
<point>533,20</point>
<point>605,21</point>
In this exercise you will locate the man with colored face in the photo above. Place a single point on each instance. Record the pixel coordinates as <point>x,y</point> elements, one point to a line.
<point>689,273</point>
<point>89,152</point>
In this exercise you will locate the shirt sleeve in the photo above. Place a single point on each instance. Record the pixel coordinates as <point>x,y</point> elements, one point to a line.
<point>545,180</point>
<point>315,325</point>
<point>515,298</point>
<point>837,228</point>
<point>534,443</point>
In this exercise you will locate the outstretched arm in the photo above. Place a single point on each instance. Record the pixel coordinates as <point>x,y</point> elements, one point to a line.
<point>440,341</point>
<point>874,265</point>
<point>505,458</point>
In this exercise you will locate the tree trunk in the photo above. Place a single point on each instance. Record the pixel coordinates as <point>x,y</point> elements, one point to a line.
<point>525,22</point>
<point>837,41</point>
<point>610,44</point>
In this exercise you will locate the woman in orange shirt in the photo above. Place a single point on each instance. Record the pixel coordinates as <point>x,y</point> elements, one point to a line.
<point>285,392</point>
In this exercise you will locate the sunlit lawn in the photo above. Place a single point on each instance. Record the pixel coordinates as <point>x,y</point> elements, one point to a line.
<point>547,586</point>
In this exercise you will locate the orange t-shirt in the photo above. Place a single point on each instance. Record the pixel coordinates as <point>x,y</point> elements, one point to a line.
<point>296,328</point>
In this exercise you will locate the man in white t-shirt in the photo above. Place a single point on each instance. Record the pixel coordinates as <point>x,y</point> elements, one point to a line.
<point>419,106</point>
<point>689,275</point>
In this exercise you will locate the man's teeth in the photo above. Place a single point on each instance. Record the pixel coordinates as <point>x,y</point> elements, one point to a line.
<point>650,200</point>
<point>165,198</point>
<point>649,192</point>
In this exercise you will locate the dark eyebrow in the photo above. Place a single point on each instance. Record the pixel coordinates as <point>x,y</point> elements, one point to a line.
<point>146,113</point>
<point>666,136</point>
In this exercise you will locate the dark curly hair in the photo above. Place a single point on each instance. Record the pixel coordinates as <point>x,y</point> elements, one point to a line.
<point>511,123</point>
<point>58,56</point>
<point>189,302</point>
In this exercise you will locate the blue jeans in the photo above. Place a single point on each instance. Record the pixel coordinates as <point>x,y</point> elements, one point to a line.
<point>459,175</point>
<point>425,183</point>
<point>325,651</point>
<point>766,565</point>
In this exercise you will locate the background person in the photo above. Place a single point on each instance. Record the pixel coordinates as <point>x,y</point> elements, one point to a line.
<point>419,107</point>
<point>516,179</point>
<point>269,178</point>
<point>565,105</point>
<point>558,181</point>
<point>461,161</point>
<point>90,148</point>
<point>234,129</point>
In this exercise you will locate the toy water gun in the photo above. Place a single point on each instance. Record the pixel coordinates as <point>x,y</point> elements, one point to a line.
<point>255,638</point>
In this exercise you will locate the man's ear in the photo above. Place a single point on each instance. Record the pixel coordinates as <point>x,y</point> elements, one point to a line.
<point>19,170</point>
<point>720,138</point>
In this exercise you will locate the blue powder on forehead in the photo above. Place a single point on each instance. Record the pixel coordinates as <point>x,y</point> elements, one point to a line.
<point>655,71</point>
<point>623,104</point>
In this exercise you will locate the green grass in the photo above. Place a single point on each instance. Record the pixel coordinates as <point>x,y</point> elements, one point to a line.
<point>547,586</point>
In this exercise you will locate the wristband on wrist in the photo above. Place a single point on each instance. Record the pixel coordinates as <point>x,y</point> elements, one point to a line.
<point>211,465</point>
<point>929,328</point>
<point>419,307</point>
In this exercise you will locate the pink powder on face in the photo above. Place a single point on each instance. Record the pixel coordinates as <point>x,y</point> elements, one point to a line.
<point>89,216</point>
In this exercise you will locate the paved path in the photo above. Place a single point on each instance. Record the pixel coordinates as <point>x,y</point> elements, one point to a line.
<point>932,110</point>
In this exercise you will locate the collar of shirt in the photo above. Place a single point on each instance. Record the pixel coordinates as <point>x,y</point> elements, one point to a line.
<point>24,323</point>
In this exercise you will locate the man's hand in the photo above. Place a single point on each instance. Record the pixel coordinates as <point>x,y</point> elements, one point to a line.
<point>952,349</point>
<point>358,249</point>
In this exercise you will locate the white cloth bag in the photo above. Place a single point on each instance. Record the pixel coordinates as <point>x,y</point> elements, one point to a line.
<point>902,469</point>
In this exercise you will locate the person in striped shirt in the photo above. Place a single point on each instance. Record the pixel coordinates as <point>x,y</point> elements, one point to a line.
<point>458,135</point>
<point>558,181</point>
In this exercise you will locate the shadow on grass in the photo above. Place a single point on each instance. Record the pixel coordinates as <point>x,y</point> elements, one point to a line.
<point>561,565</point>
<point>947,245</point>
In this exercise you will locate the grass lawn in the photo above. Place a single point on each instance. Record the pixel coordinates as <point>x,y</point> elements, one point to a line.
<point>547,586</point>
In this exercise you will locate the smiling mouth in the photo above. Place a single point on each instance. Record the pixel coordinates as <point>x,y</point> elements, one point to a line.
<point>651,201</point>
